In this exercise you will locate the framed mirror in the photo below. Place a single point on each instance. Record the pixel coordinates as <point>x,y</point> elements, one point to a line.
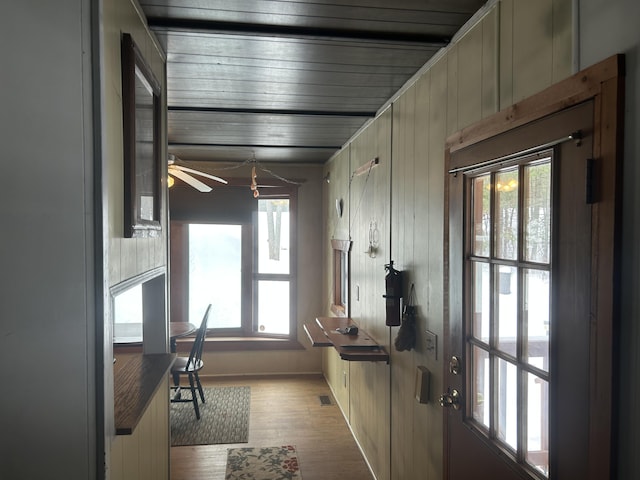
<point>141,140</point>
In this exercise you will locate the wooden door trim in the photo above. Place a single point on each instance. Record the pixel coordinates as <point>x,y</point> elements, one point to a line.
<point>604,84</point>
<point>590,83</point>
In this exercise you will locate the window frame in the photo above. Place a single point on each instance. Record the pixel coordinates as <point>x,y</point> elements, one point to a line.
<point>245,337</point>
<point>291,195</point>
<point>341,277</point>
<point>496,354</point>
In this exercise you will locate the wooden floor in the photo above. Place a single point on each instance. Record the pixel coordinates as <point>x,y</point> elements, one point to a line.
<point>284,411</point>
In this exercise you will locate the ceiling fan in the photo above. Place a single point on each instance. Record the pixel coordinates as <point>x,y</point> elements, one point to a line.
<point>183,173</point>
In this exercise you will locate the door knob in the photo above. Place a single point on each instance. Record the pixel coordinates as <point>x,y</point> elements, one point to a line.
<point>450,399</point>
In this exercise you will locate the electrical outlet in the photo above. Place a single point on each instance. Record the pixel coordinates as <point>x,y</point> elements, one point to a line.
<point>431,340</point>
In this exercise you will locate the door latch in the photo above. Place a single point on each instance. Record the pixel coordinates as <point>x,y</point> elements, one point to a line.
<point>454,365</point>
<point>450,399</point>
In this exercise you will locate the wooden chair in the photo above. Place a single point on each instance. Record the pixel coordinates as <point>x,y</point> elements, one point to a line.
<point>190,366</point>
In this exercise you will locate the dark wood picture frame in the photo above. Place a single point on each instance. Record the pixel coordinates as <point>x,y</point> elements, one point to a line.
<point>141,142</point>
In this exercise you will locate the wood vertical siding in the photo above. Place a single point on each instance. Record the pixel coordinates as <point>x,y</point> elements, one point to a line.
<point>144,455</point>
<point>369,382</point>
<point>516,49</point>
<point>337,171</point>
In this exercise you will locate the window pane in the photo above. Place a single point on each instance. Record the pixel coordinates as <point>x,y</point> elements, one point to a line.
<point>507,319</point>
<point>537,453</point>
<point>273,236</point>
<point>536,308</point>
<point>507,425</point>
<point>127,306</point>
<point>537,211</point>
<point>481,301</point>
<point>481,395</point>
<point>215,262</point>
<point>273,307</point>
<point>481,215</point>
<point>507,214</point>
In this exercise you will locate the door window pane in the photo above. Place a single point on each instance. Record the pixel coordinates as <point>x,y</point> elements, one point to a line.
<point>507,308</point>
<point>508,312</point>
<point>536,310</point>
<point>273,307</point>
<point>481,395</point>
<point>507,425</point>
<point>481,215</point>
<point>506,241</point>
<point>537,454</point>
<point>273,236</point>
<point>537,212</point>
<point>481,301</point>
<point>215,265</point>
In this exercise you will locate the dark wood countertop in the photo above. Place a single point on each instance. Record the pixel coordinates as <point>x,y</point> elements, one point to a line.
<point>136,380</point>
<point>360,347</point>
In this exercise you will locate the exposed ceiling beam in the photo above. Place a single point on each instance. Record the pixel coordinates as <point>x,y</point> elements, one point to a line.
<point>275,111</point>
<point>255,145</point>
<point>295,31</point>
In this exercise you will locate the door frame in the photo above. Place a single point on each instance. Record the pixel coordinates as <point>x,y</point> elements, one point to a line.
<point>604,84</point>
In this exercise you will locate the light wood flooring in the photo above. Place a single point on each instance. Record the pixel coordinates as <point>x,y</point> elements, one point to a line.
<point>284,411</point>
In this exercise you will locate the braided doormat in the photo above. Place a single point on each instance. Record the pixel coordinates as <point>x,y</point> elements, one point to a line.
<point>224,418</point>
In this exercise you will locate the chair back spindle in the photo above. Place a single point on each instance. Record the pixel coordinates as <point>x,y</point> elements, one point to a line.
<point>196,349</point>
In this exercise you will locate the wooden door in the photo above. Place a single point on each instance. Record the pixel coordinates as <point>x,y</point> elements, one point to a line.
<point>527,214</point>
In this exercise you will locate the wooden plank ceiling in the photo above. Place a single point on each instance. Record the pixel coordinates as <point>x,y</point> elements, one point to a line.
<point>289,80</point>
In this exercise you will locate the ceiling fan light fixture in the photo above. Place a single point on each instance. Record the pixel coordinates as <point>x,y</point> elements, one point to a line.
<point>185,174</point>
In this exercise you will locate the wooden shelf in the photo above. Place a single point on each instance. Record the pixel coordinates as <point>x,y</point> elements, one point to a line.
<point>360,348</point>
<point>135,384</point>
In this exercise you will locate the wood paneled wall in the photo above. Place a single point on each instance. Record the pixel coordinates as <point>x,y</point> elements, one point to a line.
<point>514,50</point>
<point>128,257</point>
<point>144,455</point>
<point>125,258</point>
<point>335,188</point>
<point>370,209</point>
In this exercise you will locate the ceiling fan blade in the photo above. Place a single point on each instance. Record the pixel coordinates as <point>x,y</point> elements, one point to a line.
<point>197,172</point>
<point>186,178</point>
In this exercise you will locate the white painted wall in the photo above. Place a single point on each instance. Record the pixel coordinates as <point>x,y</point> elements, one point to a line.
<point>608,27</point>
<point>47,318</point>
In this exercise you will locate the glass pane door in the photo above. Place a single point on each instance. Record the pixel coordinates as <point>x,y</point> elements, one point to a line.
<point>508,314</point>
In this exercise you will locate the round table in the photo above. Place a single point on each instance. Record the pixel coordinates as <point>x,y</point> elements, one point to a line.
<point>177,330</point>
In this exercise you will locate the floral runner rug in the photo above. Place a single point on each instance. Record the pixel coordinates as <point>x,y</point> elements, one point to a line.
<point>266,463</point>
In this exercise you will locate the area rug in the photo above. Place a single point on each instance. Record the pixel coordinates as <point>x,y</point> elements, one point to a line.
<point>224,418</point>
<point>266,463</point>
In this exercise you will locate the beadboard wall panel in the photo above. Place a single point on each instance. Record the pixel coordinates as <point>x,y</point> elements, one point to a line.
<point>535,46</point>
<point>475,76</point>
<point>337,172</point>
<point>144,455</point>
<point>369,219</point>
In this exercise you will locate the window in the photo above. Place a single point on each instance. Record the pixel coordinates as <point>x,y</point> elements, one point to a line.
<point>340,300</point>
<point>510,266</point>
<point>246,270</point>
